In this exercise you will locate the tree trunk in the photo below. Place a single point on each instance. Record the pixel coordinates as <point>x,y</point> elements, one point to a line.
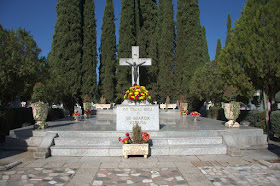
<point>267,107</point>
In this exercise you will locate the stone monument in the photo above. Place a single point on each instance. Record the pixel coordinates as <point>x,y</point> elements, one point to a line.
<point>145,115</point>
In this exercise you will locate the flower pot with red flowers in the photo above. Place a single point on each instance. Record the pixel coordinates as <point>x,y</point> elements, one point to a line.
<point>138,145</point>
<point>184,113</point>
<point>195,114</point>
<point>77,116</point>
<point>87,106</point>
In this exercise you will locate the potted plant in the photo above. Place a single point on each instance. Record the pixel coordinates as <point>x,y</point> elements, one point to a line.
<point>39,105</point>
<point>87,106</point>
<point>138,145</point>
<point>232,111</point>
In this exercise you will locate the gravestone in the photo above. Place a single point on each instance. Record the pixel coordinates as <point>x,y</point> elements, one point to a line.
<point>145,115</point>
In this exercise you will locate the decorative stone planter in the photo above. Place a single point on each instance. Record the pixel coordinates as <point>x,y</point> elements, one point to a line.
<point>40,113</point>
<point>136,149</point>
<point>76,117</point>
<point>230,115</point>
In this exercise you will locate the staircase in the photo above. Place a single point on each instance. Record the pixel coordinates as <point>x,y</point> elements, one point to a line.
<point>105,143</point>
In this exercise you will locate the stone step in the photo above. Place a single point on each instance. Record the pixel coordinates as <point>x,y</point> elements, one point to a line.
<point>116,134</point>
<point>26,133</point>
<point>190,149</point>
<point>100,141</point>
<point>154,150</point>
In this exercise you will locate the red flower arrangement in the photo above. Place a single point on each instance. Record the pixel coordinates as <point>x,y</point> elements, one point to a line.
<point>127,139</point>
<point>195,114</point>
<point>87,111</point>
<point>184,111</point>
<point>76,114</point>
<point>137,93</point>
<point>145,137</point>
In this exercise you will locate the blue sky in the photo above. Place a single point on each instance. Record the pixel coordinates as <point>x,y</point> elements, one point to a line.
<point>39,17</point>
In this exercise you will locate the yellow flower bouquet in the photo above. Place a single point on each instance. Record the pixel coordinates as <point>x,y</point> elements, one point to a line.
<point>137,93</point>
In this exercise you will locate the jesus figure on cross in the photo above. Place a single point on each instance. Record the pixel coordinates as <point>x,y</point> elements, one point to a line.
<point>135,70</point>
<point>135,62</point>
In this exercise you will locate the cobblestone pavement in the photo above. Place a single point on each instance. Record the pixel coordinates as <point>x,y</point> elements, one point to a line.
<point>156,176</point>
<point>36,176</point>
<point>251,169</point>
<point>251,174</point>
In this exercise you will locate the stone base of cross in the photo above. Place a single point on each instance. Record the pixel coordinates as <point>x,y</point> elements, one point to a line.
<point>135,62</point>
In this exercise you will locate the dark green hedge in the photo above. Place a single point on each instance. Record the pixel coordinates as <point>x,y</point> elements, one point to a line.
<point>275,122</point>
<point>256,119</point>
<point>277,97</point>
<point>216,113</point>
<point>55,113</point>
<point>15,118</point>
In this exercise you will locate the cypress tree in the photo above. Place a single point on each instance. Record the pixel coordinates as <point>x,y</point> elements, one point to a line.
<point>205,53</point>
<point>166,49</point>
<point>126,40</point>
<point>89,59</point>
<point>108,49</point>
<point>148,13</point>
<point>189,48</point>
<point>137,18</point>
<point>218,49</point>
<point>66,52</point>
<point>229,29</point>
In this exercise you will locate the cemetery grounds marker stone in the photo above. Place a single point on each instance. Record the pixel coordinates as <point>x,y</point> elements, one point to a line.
<point>147,116</point>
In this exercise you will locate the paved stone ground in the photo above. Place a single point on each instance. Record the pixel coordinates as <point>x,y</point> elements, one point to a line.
<point>255,167</point>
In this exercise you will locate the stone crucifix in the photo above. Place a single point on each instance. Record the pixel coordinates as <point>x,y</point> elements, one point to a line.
<point>135,62</point>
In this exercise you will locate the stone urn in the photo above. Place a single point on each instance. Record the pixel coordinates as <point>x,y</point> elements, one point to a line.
<point>232,111</point>
<point>136,149</point>
<point>40,113</point>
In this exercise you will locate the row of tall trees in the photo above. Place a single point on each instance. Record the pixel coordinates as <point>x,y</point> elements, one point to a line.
<point>181,65</point>
<point>174,57</point>
<point>143,23</point>
<point>249,61</point>
<point>73,55</point>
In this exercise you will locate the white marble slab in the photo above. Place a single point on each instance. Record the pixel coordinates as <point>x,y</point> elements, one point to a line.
<point>147,116</point>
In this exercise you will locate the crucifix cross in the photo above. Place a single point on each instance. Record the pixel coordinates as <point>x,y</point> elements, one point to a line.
<point>135,62</point>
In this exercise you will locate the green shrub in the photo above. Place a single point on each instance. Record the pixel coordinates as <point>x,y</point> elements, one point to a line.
<point>39,93</point>
<point>213,112</point>
<point>55,113</point>
<point>275,122</point>
<point>277,97</point>
<point>216,113</point>
<point>256,119</point>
